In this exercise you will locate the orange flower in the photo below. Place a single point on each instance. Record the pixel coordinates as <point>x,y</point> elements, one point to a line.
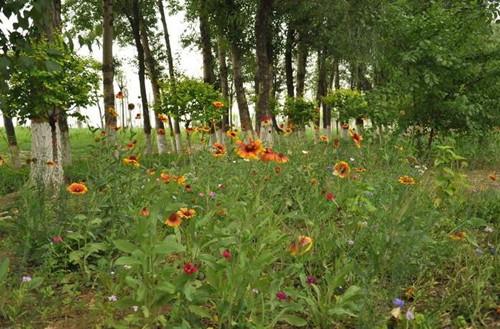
<point>186,213</point>
<point>165,177</point>
<point>360,170</point>
<point>231,134</point>
<point>219,150</point>
<point>323,138</point>
<point>281,158</point>
<point>162,117</point>
<point>407,180</point>
<point>493,176</point>
<point>160,131</point>
<point>345,126</point>
<point>203,129</point>
<point>151,171</point>
<point>268,155</point>
<point>341,169</point>
<point>145,212</point>
<point>266,120</point>
<point>302,245</point>
<point>251,150</point>
<point>131,160</point>
<point>190,130</point>
<point>357,138</point>
<point>77,188</point>
<point>288,131</point>
<point>218,104</point>
<point>459,235</point>
<point>174,220</point>
<point>181,180</point>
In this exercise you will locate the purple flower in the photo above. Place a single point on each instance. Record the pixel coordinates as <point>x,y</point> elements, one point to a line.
<point>281,295</point>
<point>26,278</point>
<point>212,194</point>
<point>410,315</point>
<point>398,302</point>
<point>112,298</point>
<point>311,279</point>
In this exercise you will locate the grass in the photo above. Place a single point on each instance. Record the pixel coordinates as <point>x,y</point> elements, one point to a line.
<point>432,245</point>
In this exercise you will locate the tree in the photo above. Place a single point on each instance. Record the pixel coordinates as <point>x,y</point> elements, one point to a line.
<point>107,67</point>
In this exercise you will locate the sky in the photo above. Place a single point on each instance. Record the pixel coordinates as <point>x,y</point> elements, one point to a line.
<point>189,62</point>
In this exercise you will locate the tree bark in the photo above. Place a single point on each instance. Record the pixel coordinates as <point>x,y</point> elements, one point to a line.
<point>175,132</point>
<point>263,34</point>
<point>224,82</point>
<point>62,121</point>
<point>152,68</point>
<point>290,35</point>
<point>110,117</point>
<point>10,131</point>
<point>241,99</point>
<point>336,72</point>
<point>302,55</point>
<point>206,45</point>
<point>322,90</point>
<point>135,24</point>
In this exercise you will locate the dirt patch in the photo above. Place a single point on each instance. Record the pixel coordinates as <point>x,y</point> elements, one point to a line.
<point>480,180</point>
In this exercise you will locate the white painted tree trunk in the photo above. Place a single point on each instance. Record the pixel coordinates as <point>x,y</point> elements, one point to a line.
<point>213,138</point>
<point>266,135</point>
<point>221,136</point>
<point>161,143</point>
<point>46,152</point>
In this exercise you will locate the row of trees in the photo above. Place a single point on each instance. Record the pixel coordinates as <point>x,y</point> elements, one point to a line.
<point>433,64</point>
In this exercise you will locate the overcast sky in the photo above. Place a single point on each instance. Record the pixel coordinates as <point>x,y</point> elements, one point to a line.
<point>189,62</point>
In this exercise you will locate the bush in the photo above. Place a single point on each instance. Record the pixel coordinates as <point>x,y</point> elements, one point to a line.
<point>348,103</point>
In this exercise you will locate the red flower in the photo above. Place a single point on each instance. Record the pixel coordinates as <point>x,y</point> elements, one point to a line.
<point>281,295</point>
<point>330,196</point>
<point>190,268</point>
<point>57,239</point>
<point>227,254</point>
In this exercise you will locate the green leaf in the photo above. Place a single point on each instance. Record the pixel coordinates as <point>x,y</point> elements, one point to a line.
<point>168,246</point>
<point>4,268</point>
<point>125,246</point>
<point>125,260</point>
<point>200,311</point>
<point>166,287</point>
<point>293,320</point>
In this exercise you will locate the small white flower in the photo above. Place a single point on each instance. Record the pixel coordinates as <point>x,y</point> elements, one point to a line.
<point>351,159</point>
<point>174,197</point>
<point>135,308</point>
<point>127,267</point>
<point>26,278</point>
<point>305,152</point>
<point>488,229</point>
<point>112,273</point>
<point>350,242</point>
<point>255,291</point>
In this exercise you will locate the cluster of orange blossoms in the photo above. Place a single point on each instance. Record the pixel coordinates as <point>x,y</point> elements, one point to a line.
<point>254,150</point>
<point>167,178</point>
<point>218,104</point>
<point>233,134</point>
<point>301,245</point>
<point>175,219</point>
<point>356,138</point>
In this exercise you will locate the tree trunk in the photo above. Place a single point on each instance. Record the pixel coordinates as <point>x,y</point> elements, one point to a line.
<point>206,45</point>
<point>46,161</point>
<point>336,72</point>
<point>263,33</point>
<point>10,131</point>
<point>301,67</point>
<point>108,69</point>
<point>322,90</point>
<point>290,35</point>
<point>224,84</point>
<point>152,67</point>
<point>62,121</point>
<point>135,24</point>
<point>175,132</point>
<point>241,99</point>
